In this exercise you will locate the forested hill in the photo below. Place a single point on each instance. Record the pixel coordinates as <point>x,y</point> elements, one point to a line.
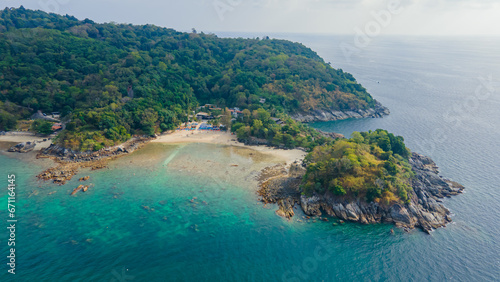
<point>88,71</point>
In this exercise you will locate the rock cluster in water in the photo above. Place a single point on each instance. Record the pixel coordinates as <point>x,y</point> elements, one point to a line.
<point>70,161</point>
<point>64,154</point>
<point>425,209</point>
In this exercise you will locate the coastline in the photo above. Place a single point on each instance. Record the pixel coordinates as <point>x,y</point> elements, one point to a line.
<point>426,211</point>
<point>20,137</point>
<point>225,138</point>
<point>377,111</point>
<point>66,163</point>
<point>277,183</point>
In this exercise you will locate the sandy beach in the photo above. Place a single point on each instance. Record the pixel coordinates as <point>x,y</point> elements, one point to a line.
<point>12,138</point>
<point>19,137</point>
<point>225,138</point>
<point>176,137</point>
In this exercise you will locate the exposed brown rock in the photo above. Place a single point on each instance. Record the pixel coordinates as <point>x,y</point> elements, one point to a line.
<point>84,178</point>
<point>24,147</point>
<point>80,187</point>
<point>327,114</point>
<point>424,210</point>
<point>69,161</point>
<point>280,184</point>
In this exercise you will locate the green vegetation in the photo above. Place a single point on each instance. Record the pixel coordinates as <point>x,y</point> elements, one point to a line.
<point>370,165</point>
<point>10,113</point>
<point>112,81</point>
<point>280,132</point>
<point>42,126</point>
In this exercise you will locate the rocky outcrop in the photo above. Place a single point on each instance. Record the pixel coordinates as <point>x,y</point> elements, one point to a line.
<point>60,174</point>
<point>84,178</point>
<point>425,209</point>
<point>281,185</point>
<point>24,147</point>
<point>64,154</point>
<point>253,141</point>
<point>70,161</point>
<point>332,135</point>
<point>80,187</point>
<point>328,115</point>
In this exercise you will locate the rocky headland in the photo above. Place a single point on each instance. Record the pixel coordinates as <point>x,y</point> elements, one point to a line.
<point>330,115</point>
<point>281,185</point>
<point>69,161</point>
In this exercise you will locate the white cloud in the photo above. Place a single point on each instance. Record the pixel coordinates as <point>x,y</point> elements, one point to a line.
<point>436,17</point>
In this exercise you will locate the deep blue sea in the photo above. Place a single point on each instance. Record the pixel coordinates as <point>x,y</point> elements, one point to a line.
<point>184,213</point>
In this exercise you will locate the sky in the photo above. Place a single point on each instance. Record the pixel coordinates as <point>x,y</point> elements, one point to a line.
<point>369,17</point>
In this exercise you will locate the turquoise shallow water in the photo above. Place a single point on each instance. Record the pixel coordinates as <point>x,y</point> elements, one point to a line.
<point>139,223</point>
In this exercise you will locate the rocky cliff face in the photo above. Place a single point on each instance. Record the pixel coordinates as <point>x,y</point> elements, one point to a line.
<point>332,135</point>
<point>327,115</point>
<point>425,209</point>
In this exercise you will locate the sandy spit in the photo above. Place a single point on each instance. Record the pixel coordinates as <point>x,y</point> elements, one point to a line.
<point>225,138</point>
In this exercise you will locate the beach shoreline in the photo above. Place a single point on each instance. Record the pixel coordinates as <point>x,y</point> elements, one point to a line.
<point>63,168</point>
<point>20,137</point>
<point>228,139</point>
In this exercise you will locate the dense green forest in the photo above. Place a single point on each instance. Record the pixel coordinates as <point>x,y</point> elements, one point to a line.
<point>371,165</point>
<point>282,131</point>
<point>111,81</point>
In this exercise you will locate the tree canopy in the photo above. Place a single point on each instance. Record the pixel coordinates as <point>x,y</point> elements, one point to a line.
<point>114,80</point>
<point>371,165</point>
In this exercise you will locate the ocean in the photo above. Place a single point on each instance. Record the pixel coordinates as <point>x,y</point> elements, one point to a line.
<point>183,213</point>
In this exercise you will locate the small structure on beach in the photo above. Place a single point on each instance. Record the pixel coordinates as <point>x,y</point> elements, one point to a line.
<point>40,115</point>
<point>209,106</point>
<point>130,91</point>
<point>202,115</point>
<point>56,126</point>
<point>236,112</point>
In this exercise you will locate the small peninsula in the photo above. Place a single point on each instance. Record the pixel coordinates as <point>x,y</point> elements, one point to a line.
<point>101,84</point>
<point>370,178</point>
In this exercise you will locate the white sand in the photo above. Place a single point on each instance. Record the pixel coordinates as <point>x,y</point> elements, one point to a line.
<point>26,137</point>
<point>224,138</point>
<point>178,137</point>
